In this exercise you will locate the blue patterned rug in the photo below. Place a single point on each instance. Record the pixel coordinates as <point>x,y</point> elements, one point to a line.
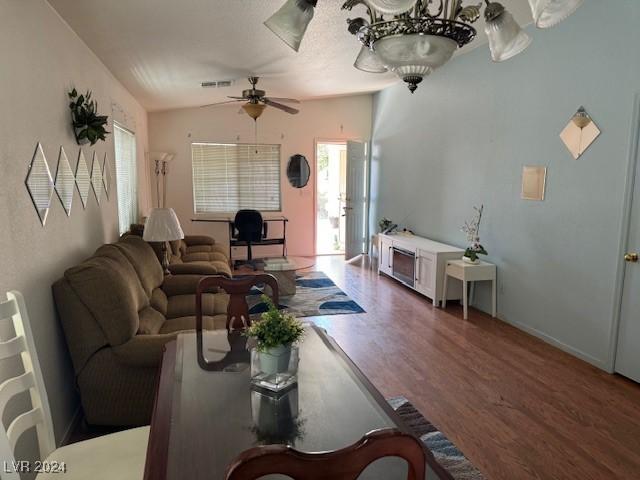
<point>316,295</point>
<point>444,451</point>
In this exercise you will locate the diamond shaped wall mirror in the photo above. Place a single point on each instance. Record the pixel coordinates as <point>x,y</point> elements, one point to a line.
<point>40,183</point>
<point>96,176</point>
<point>534,179</point>
<point>65,181</point>
<point>106,176</point>
<point>580,133</point>
<point>83,180</point>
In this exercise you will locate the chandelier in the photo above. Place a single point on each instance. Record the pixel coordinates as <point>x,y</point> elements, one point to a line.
<point>414,37</point>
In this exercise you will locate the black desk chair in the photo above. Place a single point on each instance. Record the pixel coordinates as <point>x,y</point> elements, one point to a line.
<point>247,229</point>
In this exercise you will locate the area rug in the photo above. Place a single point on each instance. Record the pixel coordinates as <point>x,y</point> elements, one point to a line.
<point>316,294</point>
<point>444,451</point>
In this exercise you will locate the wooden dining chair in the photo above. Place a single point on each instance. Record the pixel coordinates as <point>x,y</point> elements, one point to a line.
<point>238,288</point>
<point>345,464</point>
<point>119,455</point>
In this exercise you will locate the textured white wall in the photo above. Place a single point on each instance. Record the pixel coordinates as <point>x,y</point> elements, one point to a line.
<point>41,59</point>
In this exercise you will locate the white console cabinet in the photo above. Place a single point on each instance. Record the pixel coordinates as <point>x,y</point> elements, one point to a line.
<point>419,263</point>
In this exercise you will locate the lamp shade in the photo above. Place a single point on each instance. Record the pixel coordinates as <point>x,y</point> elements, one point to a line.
<point>368,61</point>
<point>506,38</point>
<point>162,225</point>
<point>547,13</point>
<point>291,21</point>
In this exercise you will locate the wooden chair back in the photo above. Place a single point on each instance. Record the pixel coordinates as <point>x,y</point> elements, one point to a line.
<point>345,464</point>
<point>39,416</point>
<point>238,288</point>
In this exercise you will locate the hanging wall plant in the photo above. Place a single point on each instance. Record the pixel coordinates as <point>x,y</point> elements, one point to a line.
<point>88,126</point>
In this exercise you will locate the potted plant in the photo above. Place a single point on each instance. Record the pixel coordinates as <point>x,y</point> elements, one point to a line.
<point>88,126</point>
<point>275,335</point>
<point>384,224</point>
<point>472,230</point>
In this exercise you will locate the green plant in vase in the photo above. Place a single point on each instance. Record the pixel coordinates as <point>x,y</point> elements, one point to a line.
<point>472,230</point>
<point>88,126</point>
<point>275,335</point>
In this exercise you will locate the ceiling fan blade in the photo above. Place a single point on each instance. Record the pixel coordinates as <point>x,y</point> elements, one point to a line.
<point>280,106</point>
<point>219,103</point>
<point>237,98</point>
<point>284,100</point>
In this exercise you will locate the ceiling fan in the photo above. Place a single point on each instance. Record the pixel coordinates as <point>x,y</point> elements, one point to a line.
<point>257,101</point>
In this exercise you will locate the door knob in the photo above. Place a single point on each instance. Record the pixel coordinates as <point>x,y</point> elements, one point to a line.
<point>631,257</point>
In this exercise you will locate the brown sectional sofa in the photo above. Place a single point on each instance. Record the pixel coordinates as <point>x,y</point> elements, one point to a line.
<point>196,254</point>
<point>118,311</point>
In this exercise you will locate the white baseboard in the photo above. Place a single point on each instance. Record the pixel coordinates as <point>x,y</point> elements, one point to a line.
<point>73,424</point>
<point>557,343</point>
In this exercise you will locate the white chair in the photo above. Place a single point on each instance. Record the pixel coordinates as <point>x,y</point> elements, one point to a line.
<point>116,456</point>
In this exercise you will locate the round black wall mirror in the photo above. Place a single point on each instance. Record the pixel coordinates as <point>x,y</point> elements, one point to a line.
<point>298,171</point>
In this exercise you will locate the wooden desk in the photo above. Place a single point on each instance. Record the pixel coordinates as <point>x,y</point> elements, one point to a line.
<point>468,272</point>
<point>204,419</point>
<point>268,241</point>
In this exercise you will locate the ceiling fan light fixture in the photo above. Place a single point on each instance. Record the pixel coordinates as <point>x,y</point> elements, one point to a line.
<point>290,22</point>
<point>548,13</point>
<point>368,61</point>
<point>254,110</point>
<point>506,37</point>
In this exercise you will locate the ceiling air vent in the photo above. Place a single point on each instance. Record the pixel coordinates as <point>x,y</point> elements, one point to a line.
<point>217,84</point>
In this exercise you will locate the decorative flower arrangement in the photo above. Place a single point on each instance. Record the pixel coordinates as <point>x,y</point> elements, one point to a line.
<point>276,329</point>
<point>472,230</point>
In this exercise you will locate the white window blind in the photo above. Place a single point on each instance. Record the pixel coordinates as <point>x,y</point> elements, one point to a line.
<point>125,153</point>
<point>230,177</point>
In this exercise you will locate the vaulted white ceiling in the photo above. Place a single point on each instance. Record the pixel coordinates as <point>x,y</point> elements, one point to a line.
<point>161,50</point>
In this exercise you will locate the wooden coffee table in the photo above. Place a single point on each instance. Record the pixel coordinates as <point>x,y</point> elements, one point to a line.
<point>203,419</point>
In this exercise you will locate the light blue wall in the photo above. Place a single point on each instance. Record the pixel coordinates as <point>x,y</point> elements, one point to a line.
<point>463,137</point>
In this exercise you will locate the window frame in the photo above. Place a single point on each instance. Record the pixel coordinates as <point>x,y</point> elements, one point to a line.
<point>236,144</point>
<point>133,172</point>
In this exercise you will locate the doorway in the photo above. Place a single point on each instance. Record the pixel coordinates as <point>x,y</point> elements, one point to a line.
<point>331,186</point>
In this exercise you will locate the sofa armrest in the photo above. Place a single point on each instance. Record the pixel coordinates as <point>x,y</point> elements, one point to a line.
<point>143,350</point>
<point>191,240</point>
<point>193,268</point>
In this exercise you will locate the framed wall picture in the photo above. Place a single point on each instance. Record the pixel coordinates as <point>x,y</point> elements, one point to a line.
<point>533,182</point>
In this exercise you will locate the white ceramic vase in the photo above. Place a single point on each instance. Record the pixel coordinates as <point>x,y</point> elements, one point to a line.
<point>466,259</point>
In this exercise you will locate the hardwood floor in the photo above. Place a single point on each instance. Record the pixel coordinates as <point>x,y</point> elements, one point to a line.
<point>517,407</point>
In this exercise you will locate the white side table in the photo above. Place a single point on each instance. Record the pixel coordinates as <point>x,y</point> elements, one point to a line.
<point>467,272</point>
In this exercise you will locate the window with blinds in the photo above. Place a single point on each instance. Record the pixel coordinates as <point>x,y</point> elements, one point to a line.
<point>125,153</point>
<point>230,177</point>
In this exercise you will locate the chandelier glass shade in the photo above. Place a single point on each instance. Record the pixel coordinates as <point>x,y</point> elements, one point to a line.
<point>547,13</point>
<point>254,110</point>
<point>369,61</point>
<point>391,7</point>
<point>506,38</point>
<point>291,21</point>
<point>414,56</point>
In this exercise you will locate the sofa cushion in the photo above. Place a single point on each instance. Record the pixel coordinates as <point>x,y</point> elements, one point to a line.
<point>111,291</point>
<point>150,321</point>
<point>185,305</point>
<point>144,260</point>
<point>180,324</point>
<point>175,247</point>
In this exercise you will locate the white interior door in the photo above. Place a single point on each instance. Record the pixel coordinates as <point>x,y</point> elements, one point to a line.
<point>354,208</point>
<point>628,353</point>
